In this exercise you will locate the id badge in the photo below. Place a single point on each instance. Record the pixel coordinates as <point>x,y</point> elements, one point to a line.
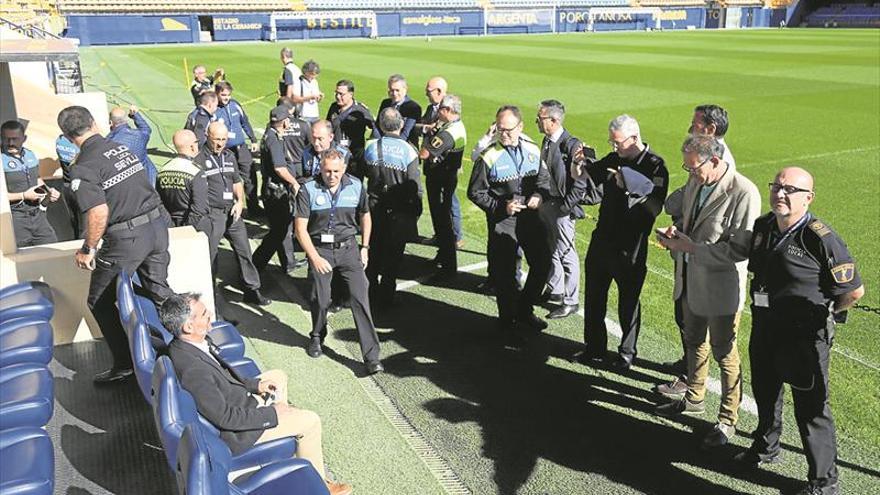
<point>327,238</point>
<point>345,142</point>
<point>762,300</point>
<point>227,195</point>
<point>231,135</point>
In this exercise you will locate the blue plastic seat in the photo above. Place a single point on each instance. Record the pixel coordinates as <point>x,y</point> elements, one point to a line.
<point>31,343</point>
<point>28,462</point>
<point>143,354</point>
<point>204,462</point>
<point>124,298</point>
<point>26,395</point>
<point>29,302</point>
<point>174,409</point>
<point>42,287</point>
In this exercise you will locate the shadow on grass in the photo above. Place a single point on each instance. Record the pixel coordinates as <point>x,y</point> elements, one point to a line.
<point>528,409</point>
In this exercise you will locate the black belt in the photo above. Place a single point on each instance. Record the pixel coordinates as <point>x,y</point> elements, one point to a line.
<point>136,221</point>
<point>333,245</point>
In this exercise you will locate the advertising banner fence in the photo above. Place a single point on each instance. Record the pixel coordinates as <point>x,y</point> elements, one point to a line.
<point>132,29</point>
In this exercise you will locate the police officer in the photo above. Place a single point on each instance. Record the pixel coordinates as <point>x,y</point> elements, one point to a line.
<point>296,134</point>
<point>26,189</point>
<point>226,202</point>
<point>394,189</point>
<point>408,108</point>
<point>67,153</point>
<point>281,186</point>
<point>804,280</point>
<point>231,113</point>
<point>202,82</point>
<point>199,119</point>
<point>509,182</point>
<point>137,139</point>
<point>321,140</point>
<point>329,210</point>
<point>631,184</point>
<point>183,187</point>
<point>558,151</point>
<point>122,208</point>
<point>351,119</point>
<point>442,152</point>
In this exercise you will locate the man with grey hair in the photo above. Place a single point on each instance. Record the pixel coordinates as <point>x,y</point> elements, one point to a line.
<point>558,151</point>
<point>203,82</point>
<point>289,75</point>
<point>710,244</point>
<point>631,184</point>
<point>306,93</point>
<point>395,195</point>
<point>408,108</point>
<point>442,154</point>
<point>136,139</point>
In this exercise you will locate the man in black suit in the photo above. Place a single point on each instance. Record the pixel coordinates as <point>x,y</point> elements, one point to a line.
<point>247,411</point>
<point>408,108</point>
<point>558,151</point>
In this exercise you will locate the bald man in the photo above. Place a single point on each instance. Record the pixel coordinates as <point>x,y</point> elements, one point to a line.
<point>804,281</point>
<point>135,139</point>
<point>436,90</point>
<point>225,204</point>
<point>183,187</point>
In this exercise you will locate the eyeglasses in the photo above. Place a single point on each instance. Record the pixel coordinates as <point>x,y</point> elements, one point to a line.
<point>431,90</point>
<point>503,130</point>
<point>617,144</point>
<point>775,187</point>
<point>695,169</point>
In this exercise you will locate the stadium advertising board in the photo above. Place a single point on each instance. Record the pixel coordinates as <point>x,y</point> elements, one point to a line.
<point>128,29</point>
<point>426,23</point>
<point>571,20</point>
<point>240,26</point>
<point>329,26</point>
<point>519,21</point>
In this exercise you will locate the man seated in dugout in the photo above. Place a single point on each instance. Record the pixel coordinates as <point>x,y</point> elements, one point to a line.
<point>247,411</point>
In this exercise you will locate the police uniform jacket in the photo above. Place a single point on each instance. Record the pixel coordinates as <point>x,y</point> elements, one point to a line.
<point>66,152</point>
<point>802,271</point>
<point>232,114</point>
<point>296,138</point>
<point>222,397</point>
<point>221,172</point>
<point>565,191</point>
<point>310,165</point>
<point>108,173</point>
<point>350,125</point>
<point>22,173</point>
<point>336,214</point>
<point>198,121</point>
<point>446,148</point>
<point>273,155</point>
<point>722,231</point>
<point>393,179</point>
<point>135,139</point>
<point>184,191</point>
<point>623,227</point>
<point>411,112</point>
<point>500,173</point>
<point>430,116</point>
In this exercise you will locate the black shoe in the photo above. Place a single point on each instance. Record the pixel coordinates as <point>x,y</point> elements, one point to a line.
<point>751,459</point>
<point>112,375</point>
<point>556,299</point>
<point>621,364</point>
<point>588,358</point>
<point>563,311</point>
<point>375,367</point>
<point>813,488</point>
<point>253,296</point>
<point>533,322</point>
<point>676,368</point>
<point>314,349</point>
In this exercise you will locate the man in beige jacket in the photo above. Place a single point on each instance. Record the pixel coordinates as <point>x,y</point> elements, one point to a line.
<point>711,244</point>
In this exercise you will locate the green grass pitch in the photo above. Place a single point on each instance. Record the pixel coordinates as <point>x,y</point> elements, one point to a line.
<point>527,421</point>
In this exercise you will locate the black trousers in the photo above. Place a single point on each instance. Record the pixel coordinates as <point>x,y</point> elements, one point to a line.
<point>440,184</point>
<point>73,209</point>
<point>528,231</point>
<point>222,225</point>
<point>782,352</point>
<point>604,265</point>
<point>31,227</point>
<point>248,173</point>
<point>279,240</point>
<point>346,262</point>
<point>142,250</point>
<point>391,230</point>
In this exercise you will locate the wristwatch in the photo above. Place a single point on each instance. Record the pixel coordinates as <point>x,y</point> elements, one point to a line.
<point>365,246</point>
<point>87,250</point>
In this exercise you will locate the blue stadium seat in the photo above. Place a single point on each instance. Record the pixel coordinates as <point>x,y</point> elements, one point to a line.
<point>244,366</point>
<point>143,355</point>
<point>124,297</point>
<point>26,396</point>
<point>28,302</point>
<point>174,409</point>
<point>204,461</point>
<point>42,287</point>
<point>28,462</point>
<point>31,343</point>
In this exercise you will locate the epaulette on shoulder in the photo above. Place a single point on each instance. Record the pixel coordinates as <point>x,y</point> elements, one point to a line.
<point>819,228</point>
